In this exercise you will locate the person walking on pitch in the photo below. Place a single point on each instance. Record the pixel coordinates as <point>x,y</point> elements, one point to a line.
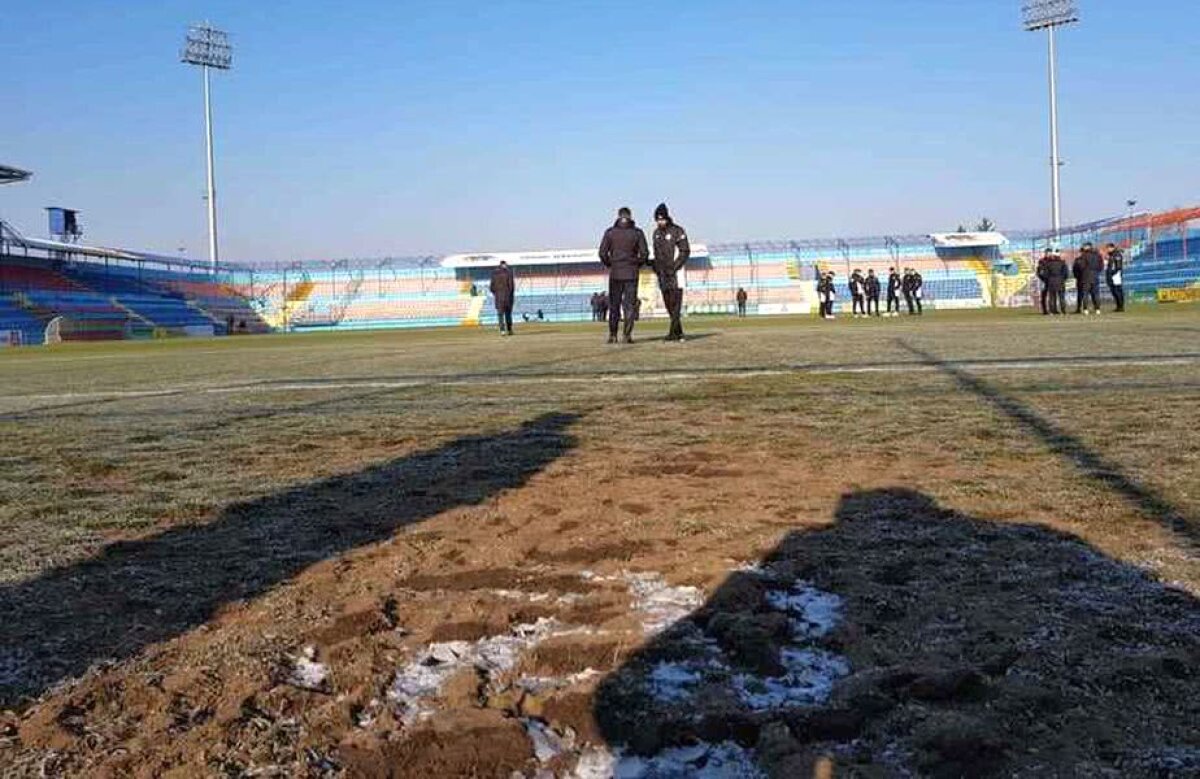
<point>671,253</point>
<point>623,251</point>
<point>503,289</point>
<point>1114,274</point>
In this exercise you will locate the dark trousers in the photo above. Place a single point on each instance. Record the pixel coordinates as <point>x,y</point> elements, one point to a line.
<point>741,309</point>
<point>873,305</point>
<point>893,302</point>
<point>908,298</point>
<point>1045,298</point>
<point>504,314</point>
<point>1118,294</point>
<point>672,297</point>
<point>622,295</point>
<point>859,305</point>
<point>827,306</point>
<point>1055,298</point>
<point>1085,290</point>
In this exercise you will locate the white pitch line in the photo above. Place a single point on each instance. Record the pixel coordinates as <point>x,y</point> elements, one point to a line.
<point>614,378</point>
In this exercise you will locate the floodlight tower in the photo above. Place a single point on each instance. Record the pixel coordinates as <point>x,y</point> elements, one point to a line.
<point>1049,15</point>
<point>209,48</point>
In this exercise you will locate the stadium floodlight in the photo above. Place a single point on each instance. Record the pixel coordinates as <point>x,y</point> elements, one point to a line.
<point>1049,15</point>
<point>209,48</point>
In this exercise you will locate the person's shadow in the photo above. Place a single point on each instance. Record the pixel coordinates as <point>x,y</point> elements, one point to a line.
<point>136,593</point>
<point>907,639</point>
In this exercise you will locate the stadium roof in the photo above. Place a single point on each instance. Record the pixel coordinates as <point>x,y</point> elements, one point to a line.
<point>10,175</point>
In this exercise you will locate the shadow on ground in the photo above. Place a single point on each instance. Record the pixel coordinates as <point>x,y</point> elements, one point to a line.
<point>1088,461</point>
<point>137,593</point>
<point>907,639</point>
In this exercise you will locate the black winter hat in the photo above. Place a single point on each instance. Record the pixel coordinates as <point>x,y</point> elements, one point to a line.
<point>661,212</point>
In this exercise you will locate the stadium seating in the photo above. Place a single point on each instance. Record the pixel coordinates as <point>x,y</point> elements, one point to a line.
<point>18,325</point>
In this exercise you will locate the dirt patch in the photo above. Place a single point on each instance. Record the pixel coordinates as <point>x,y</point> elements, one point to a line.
<point>616,552</point>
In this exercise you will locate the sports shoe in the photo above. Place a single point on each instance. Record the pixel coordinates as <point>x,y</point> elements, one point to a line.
<point>627,339</point>
<point>612,339</point>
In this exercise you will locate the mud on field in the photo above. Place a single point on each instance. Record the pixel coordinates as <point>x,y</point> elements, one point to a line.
<point>521,605</point>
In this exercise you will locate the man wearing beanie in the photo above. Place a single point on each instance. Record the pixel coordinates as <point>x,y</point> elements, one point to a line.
<point>671,253</point>
<point>623,251</point>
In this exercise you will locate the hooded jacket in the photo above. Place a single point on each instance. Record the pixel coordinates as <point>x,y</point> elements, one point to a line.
<point>1115,265</point>
<point>871,285</point>
<point>1088,267</point>
<point>623,250</point>
<point>894,283</point>
<point>671,249</point>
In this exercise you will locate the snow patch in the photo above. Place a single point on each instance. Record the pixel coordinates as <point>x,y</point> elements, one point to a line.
<point>661,605</point>
<point>809,679</point>
<point>537,685</point>
<point>703,761</point>
<point>814,612</point>
<point>421,680</point>
<point>673,682</point>
<point>307,673</point>
<point>547,744</point>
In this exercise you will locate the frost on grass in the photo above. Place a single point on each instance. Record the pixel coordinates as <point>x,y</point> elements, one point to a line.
<point>808,680</point>
<point>307,673</point>
<point>547,744</point>
<point>673,682</point>
<point>814,613</point>
<point>660,604</point>
<point>419,682</point>
<point>703,761</point>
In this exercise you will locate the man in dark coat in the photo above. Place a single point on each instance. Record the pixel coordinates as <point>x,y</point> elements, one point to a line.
<point>858,294</point>
<point>871,285</point>
<point>1114,274</point>
<point>1088,267</point>
<point>623,251</point>
<point>1057,274</point>
<point>893,292</point>
<point>1044,278</point>
<point>742,298</point>
<point>504,289</point>
<point>671,253</point>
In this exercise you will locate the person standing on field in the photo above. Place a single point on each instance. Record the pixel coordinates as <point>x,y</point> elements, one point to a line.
<point>503,288</point>
<point>1043,276</point>
<point>893,292</point>
<point>1114,274</point>
<point>857,294</point>
<point>623,251</point>
<point>671,253</point>
<point>1088,267</point>
<point>871,285</point>
<point>1057,274</point>
<point>742,298</point>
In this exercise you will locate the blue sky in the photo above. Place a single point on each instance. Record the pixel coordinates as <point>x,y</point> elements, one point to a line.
<point>387,128</point>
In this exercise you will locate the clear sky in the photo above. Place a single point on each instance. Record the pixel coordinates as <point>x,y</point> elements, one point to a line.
<point>370,128</point>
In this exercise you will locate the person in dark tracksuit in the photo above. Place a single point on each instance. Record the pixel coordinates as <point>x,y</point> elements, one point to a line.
<point>623,251</point>
<point>1114,274</point>
<point>918,291</point>
<point>858,294</point>
<point>827,294</point>
<point>1043,276</point>
<point>906,286</point>
<point>504,289</point>
<point>893,292</point>
<point>671,253</point>
<point>871,285</point>
<point>742,298</point>
<point>1057,274</point>
<point>1088,267</point>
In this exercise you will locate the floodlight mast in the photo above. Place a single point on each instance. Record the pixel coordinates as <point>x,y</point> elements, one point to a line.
<point>209,48</point>
<point>1049,15</point>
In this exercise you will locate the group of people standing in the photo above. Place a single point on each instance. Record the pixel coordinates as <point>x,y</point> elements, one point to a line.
<point>865,292</point>
<point>1053,272</point>
<point>624,251</point>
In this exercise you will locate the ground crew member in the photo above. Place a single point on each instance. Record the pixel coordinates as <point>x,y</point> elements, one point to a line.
<point>1044,277</point>
<point>671,253</point>
<point>893,292</point>
<point>1088,267</point>
<point>871,285</point>
<point>623,251</point>
<point>742,297</point>
<point>857,294</point>
<point>1114,274</point>
<point>503,289</point>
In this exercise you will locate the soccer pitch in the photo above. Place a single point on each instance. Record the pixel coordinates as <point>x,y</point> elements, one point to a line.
<point>784,547</point>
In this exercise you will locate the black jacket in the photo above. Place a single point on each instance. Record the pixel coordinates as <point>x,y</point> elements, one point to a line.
<point>894,283</point>
<point>1116,264</point>
<point>671,249</point>
<point>1056,272</point>
<point>871,284</point>
<point>1088,266</point>
<point>623,250</point>
<point>856,285</point>
<point>503,286</point>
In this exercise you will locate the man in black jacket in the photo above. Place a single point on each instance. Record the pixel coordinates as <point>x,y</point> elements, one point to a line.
<point>893,292</point>
<point>623,251</point>
<point>1114,274</point>
<point>671,253</point>
<point>858,296</point>
<point>1057,274</point>
<point>1043,277</point>
<point>503,288</point>
<point>1088,267</point>
<point>872,288</point>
